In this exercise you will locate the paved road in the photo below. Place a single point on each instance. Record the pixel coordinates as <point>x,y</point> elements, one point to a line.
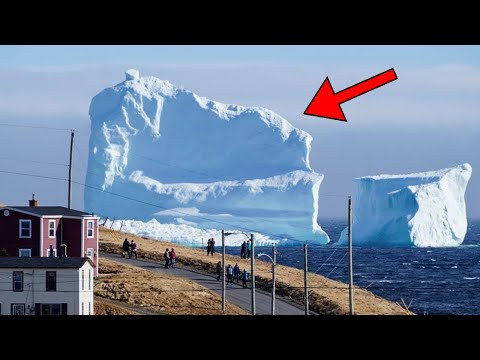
<point>235,293</point>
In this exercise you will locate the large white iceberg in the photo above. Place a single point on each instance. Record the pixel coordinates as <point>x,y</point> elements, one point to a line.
<point>422,209</point>
<point>203,163</point>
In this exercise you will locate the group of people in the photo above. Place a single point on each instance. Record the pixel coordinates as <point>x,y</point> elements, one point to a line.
<point>210,246</point>
<point>246,250</point>
<point>170,258</point>
<point>129,249</point>
<point>233,273</point>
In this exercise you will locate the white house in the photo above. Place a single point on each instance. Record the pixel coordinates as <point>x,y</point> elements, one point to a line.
<point>46,286</point>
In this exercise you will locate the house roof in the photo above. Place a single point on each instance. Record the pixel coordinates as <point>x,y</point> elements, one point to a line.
<point>50,210</point>
<point>43,262</point>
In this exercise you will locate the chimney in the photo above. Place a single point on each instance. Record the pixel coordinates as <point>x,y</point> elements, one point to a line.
<point>63,250</point>
<point>33,202</point>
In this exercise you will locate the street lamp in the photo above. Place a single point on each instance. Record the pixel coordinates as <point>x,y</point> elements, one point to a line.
<point>274,263</point>
<point>252,265</point>
<point>224,235</point>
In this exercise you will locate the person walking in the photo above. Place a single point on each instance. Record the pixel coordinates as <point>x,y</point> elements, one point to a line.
<point>244,278</point>
<point>236,272</point>
<point>219,270</point>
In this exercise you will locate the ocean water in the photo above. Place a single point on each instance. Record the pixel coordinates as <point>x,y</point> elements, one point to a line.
<point>430,280</point>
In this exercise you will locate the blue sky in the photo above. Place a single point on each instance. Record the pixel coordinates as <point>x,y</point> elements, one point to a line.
<point>428,119</point>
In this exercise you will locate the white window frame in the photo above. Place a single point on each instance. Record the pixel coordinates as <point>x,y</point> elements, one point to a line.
<point>90,251</point>
<point>20,229</point>
<point>49,229</point>
<point>88,230</point>
<point>83,279</point>
<point>13,276</point>
<point>20,252</point>
<point>54,252</point>
<point>21,306</point>
<point>89,279</point>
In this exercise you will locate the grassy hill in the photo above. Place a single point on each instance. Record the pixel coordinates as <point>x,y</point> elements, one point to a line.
<point>326,296</point>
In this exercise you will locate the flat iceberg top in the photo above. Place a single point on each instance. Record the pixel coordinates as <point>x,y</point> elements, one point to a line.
<point>419,209</point>
<point>427,175</point>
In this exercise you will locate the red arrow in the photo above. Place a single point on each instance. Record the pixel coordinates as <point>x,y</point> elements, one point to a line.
<point>326,102</point>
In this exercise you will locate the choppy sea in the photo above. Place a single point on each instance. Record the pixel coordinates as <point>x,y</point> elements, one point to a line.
<point>429,280</point>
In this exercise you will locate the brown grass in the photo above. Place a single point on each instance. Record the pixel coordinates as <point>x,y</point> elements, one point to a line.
<point>326,296</point>
<point>107,308</point>
<point>156,292</point>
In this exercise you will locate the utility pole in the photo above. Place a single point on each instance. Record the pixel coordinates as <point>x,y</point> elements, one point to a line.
<point>305,278</point>
<point>223,270</point>
<point>70,171</point>
<point>274,264</point>
<point>252,264</point>
<point>350,258</point>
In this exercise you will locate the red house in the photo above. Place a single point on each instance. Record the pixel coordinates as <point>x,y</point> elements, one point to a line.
<point>34,230</point>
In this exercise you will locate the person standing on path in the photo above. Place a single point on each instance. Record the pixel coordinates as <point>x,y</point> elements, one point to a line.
<point>209,246</point>
<point>219,270</point>
<point>166,256</point>
<point>125,248</point>
<point>249,249</point>
<point>236,272</point>
<point>133,249</point>
<point>244,278</point>
<point>173,258</point>
<point>229,274</point>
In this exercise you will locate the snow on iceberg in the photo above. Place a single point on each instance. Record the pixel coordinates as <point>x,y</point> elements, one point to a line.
<point>422,209</point>
<point>166,146</point>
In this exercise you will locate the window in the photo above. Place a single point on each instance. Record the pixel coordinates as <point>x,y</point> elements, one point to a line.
<point>24,252</point>
<point>51,228</point>
<point>54,252</point>
<point>18,309</point>
<point>90,253</point>
<point>25,229</point>
<point>89,279</point>
<point>90,228</point>
<point>89,308</point>
<point>82,309</point>
<point>51,283</point>
<point>83,279</point>
<point>18,281</point>
<point>51,309</point>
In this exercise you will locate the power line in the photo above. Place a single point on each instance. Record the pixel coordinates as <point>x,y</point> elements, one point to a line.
<point>32,175</point>
<point>37,127</point>
<point>155,205</point>
<point>32,161</point>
